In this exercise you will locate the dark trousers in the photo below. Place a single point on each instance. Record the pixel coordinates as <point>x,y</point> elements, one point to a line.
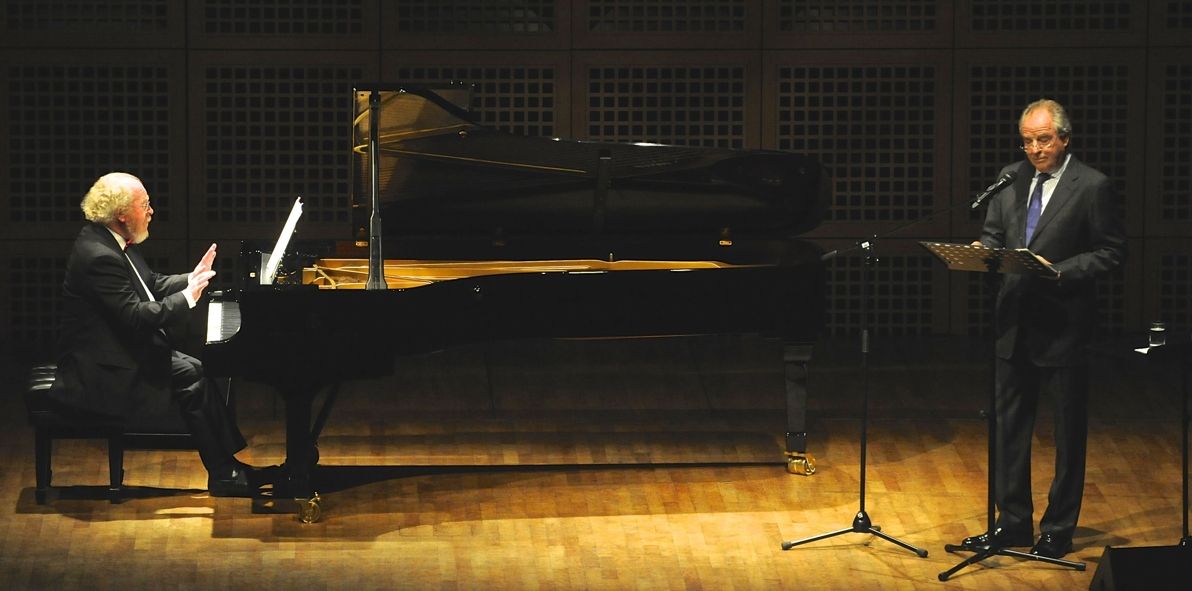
<point>206,414</point>
<point>1016,402</point>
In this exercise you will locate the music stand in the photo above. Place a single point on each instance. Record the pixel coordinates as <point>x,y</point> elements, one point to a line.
<point>993,261</point>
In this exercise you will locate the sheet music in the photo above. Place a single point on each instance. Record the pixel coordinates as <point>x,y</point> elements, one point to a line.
<point>282,242</point>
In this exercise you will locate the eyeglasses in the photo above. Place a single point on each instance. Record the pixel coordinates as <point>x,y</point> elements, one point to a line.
<point>146,206</point>
<point>1043,142</point>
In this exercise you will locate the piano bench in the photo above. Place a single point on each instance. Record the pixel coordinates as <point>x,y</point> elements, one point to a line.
<point>50,422</point>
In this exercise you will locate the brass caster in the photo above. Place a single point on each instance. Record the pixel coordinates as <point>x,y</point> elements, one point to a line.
<point>308,509</point>
<point>800,463</point>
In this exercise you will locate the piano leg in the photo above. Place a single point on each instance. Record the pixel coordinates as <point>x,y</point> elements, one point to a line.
<point>300,454</point>
<point>795,358</point>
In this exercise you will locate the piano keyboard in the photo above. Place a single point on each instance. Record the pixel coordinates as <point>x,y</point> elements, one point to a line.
<point>223,320</point>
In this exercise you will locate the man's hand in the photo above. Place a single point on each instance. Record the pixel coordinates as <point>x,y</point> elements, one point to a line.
<point>197,282</point>
<point>198,279</point>
<point>204,263</point>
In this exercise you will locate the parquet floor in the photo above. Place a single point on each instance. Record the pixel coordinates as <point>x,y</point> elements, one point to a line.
<point>589,495</point>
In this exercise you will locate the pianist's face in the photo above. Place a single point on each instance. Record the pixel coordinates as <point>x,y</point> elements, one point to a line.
<point>136,218</point>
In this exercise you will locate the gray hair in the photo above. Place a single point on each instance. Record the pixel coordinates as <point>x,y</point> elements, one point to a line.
<point>1059,117</point>
<point>112,194</point>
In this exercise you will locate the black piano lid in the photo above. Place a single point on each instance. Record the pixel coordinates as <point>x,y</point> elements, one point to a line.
<point>444,176</point>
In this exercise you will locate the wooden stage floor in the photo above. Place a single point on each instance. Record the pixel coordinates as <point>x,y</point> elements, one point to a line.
<point>621,490</point>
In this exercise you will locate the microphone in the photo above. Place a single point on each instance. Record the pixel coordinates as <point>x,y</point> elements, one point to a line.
<point>1001,183</point>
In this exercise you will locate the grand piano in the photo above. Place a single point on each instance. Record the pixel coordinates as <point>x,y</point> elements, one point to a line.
<point>464,233</point>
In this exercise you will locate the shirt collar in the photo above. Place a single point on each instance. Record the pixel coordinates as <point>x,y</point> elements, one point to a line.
<point>1059,171</point>
<point>120,241</point>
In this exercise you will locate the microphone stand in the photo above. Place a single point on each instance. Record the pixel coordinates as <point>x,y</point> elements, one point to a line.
<point>861,522</point>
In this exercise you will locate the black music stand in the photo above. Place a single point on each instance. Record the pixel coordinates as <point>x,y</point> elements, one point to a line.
<point>861,522</point>
<point>992,261</point>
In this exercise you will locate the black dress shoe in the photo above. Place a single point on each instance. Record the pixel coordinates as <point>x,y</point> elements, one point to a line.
<point>1052,546</point>
<point>235,484</point>
<point>998,538</point>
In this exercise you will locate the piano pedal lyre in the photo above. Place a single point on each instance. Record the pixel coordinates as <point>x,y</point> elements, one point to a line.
<point>308,509</point>
<point>800,463</point>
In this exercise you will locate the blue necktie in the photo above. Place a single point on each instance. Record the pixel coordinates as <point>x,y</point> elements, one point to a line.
<point>1035,206</point>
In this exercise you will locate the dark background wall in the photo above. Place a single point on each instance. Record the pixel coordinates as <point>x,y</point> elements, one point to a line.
<point>228,109</point>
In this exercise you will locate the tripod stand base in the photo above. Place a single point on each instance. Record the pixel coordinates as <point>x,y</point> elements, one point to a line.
<point>982,552</point>
<point>861,525</point>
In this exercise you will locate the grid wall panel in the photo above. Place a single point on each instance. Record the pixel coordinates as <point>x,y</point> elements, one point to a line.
<point>67,124</point>
<point>904,288</point>
<point>1168,266</point>
<point>1174,297</point>
<point>520,99</point>
<point>667,24</point>
<point>1103,100</point>
<point>102,23</point>
<point>682,104</point>
<point>33,303</point>
<point>476,24</point>
<point>1171,22</point>
<point>858,16</point>
<point>283,17</point>
<point>270,133</point>
<point>876,127</point>
<point>1051,15</point>
<point>1025,23</point>
<point>663,16</point>
<point>297,24</point>
<point>858,23</point>
<point>1171,124</point>
<point>475,16</point>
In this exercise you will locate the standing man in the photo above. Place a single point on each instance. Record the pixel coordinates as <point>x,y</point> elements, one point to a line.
<point>115,360</point>
<point>1066,212</point>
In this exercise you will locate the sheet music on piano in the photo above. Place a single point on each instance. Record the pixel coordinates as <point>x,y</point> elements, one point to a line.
<point>269,274</point>
<point>223,317</point>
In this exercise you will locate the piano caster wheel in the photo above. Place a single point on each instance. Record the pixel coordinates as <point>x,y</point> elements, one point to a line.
<point>308,509</point>
<point>800,463</point>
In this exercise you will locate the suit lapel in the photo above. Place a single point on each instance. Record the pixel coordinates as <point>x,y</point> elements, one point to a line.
<point>137,265</point>
<point>1022,186</point>
<point>1060,197</point>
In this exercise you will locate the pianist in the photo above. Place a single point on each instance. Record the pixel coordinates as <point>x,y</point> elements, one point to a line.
<point>115,358</point>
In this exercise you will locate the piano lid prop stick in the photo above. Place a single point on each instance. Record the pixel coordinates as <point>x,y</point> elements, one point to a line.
<point>376,266</point>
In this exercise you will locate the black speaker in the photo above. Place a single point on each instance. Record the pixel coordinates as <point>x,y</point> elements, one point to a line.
<point>1151,568</point>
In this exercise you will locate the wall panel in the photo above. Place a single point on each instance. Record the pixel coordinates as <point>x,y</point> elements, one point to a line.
<point>525,93</point>
<point>111,24</point>
<point>283,24</point>
<point>269,127</point>
<point>69,118</point>
<point>684,98</point>
<point>879,123</point>
<point>475,24</point>
<point>856,24</point>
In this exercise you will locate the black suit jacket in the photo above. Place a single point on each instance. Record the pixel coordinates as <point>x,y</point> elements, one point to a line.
<point>1081,232</point>
<point>113,352</point>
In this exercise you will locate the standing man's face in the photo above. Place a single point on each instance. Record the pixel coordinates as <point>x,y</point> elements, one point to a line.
<point>1042,144</point>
